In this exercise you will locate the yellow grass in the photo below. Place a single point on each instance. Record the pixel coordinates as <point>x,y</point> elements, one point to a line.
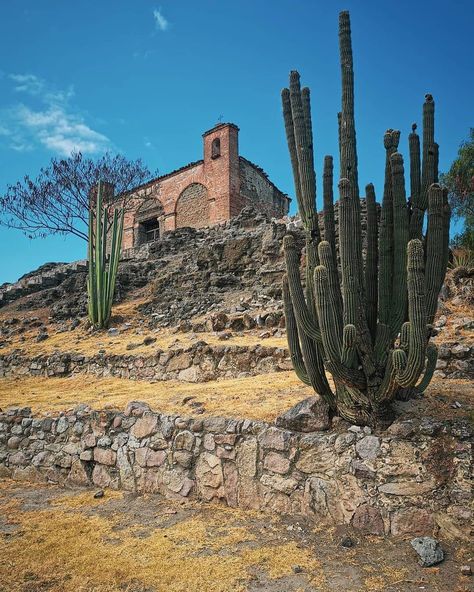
<point>256,397</point>
<point>81,342</point>
<point>73,551</point>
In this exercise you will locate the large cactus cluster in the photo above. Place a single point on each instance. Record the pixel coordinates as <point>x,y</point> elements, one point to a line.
<point>365,320</point>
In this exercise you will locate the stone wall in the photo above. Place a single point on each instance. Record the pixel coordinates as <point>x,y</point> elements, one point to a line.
<point>198,363</point>
<point>258,191</point>
<point>412,478</point>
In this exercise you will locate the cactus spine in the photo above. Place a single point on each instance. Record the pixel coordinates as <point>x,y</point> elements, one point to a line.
<point>369,328</point>
<point>102,271</point>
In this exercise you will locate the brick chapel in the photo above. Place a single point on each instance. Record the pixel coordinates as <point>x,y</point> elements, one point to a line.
<point>203,193</point>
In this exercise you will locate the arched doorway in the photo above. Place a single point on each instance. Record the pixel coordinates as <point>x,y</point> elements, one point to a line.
<point>192,207</point>
<point>148,218</point>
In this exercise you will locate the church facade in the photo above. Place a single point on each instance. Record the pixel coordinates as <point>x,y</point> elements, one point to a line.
<point>203,193</point>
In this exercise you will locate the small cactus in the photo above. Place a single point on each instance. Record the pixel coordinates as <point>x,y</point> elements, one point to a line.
<point>102,271</point>
<point>369,328</point>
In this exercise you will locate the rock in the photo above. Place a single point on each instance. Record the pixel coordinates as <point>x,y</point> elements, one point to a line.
<point>414,521</point>
<point>145,426</point>
<point>361,470</point>
<point>429,551</point>
<point>113,331</point>
<point>466,570</point>
<point>368,448</point>
<point>105,456</point>
<point>62,425</point>
<point>275,438</point>
<point>368,519</point>
<point>99,494</point>
<point>407,488</point>
<point>149,340</point>
<point>279,483</point>
<point>309,415</point>
<point>347,542</point>
<point>297,569</point>
<point>136,408</point>
<point>276,463</point>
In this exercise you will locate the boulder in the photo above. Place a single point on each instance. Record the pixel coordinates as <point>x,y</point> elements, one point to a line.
<point>309,415</point>
<point>429,551</point>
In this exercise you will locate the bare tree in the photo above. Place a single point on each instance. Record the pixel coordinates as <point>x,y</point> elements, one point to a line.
<point>57,201</point>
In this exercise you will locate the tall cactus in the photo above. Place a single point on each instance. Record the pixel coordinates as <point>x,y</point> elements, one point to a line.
<point>102,272</point>
<point>369,324</point>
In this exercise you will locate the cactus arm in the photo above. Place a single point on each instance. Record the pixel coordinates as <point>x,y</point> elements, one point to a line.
<point>328,201</point>
<point>91,277</point>
<point>389,385</point>
<point>429,167</point>
<point>434,273</point>
<point>429,173</point>
<point>354,303</point>
<point>383,340</point>
<point>339,120</point>
<point>306,359</point>
<point>400,243</point>
<point>290,138</point>
<point>117,233</point>
<point>306,102</point>
<point>405,336</point>
<point>111,254</point>
<point>347,127</point>
<point>371,261</point>
<point>416,214</point>
<point>431,359</point>
<point>304,151</point>
<point>302,313</point>
<point>328,260</point>
<point>409,367</point>
<point>348,349</point>
<point>349,260</point>
<point>331,341</point>
<point>312,355</point>
<point>390,141</point>
<point>348,145</point>
<point>99,271</point>
<point>292,336</point>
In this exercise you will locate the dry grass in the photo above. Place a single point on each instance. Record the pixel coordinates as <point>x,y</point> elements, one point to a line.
<point>81,342</point>
<point>261,397</point>
<point>256,397</point>
<point>53,540</point>
<point>60,550</point>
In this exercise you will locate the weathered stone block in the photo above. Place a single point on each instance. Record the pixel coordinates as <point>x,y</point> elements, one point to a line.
<point>144,426</point>
<point>368,519</point>
<point>105,456</point>
<point>276,463</point>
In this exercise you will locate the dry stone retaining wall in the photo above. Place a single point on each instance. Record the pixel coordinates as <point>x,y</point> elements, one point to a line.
<point>198,363</point>
<point>411,479</point>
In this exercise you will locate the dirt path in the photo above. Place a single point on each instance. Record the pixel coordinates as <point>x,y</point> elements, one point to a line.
<point>55,540</point>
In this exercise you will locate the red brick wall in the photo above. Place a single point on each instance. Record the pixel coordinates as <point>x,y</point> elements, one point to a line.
<point>192,208</point>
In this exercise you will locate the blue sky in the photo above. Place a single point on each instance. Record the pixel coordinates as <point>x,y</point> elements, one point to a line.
<point>146,79</point>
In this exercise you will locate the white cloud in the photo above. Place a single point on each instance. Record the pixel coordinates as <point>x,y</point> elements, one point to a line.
<point>160,21</point>
<point>54,124</point>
